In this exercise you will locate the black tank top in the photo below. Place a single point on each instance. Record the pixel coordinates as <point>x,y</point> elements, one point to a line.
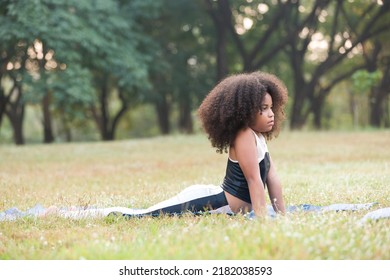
<point>235,183</point>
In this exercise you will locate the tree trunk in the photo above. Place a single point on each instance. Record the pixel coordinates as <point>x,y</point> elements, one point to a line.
<point>221,35</point>
<point>317,105</point>
<point>101,114</point>
<point>162,109</point>
<point>222,63</point>
<point>47,120</point>
<point>104,112</point>
<point>185,118</point>
<point>66,127</point>
<point>111,127</point>
<point>3,104</point>
<point>15,113</point>
<point>297,120</point>
<point>386,114</point>
<point>378,99</point>
<point>17,125</point>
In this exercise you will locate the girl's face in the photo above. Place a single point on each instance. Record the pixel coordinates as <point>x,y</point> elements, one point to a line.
<point>264,120</point>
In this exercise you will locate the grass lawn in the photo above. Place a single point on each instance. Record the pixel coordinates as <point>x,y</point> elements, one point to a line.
<point>315,167</point>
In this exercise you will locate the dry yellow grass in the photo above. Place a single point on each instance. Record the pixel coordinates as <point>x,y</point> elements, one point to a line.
<point>317,168</point>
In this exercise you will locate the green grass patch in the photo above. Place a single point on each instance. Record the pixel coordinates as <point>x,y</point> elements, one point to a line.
<point>317,168</point>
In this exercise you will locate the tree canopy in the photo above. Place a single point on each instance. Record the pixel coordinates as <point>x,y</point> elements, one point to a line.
<point>91,62</point>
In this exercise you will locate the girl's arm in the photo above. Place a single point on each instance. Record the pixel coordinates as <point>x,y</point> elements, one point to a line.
<point>246,154</point>
<point>275,190</point>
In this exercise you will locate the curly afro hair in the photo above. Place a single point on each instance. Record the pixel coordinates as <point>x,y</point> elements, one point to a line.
<point>233,104</point>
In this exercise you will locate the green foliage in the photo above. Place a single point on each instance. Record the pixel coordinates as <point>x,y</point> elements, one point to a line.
<point>164,52</point>
<point>139,122</point>
<point>363,80</point>
<point>72,49</point>
<point>182,63</point>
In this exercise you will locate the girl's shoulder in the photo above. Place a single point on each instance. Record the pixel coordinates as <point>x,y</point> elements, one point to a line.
<point>251,142</point>
<point>250,133</point>
<point>245,136</point>
<point>246,131</point>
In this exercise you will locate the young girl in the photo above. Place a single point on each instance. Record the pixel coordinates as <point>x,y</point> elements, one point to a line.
<point>238,115</point>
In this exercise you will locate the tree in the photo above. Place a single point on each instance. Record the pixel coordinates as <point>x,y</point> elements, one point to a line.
<point>43,40</point>
<point>348,32</point>
<point>377,62</point>
<point>113,53</point>
<point>180,75</point>
<point>29,47</point>
<point>20,26</point>
<point>317,37</point>
<point>252,34</point>
<point>363,81</point>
